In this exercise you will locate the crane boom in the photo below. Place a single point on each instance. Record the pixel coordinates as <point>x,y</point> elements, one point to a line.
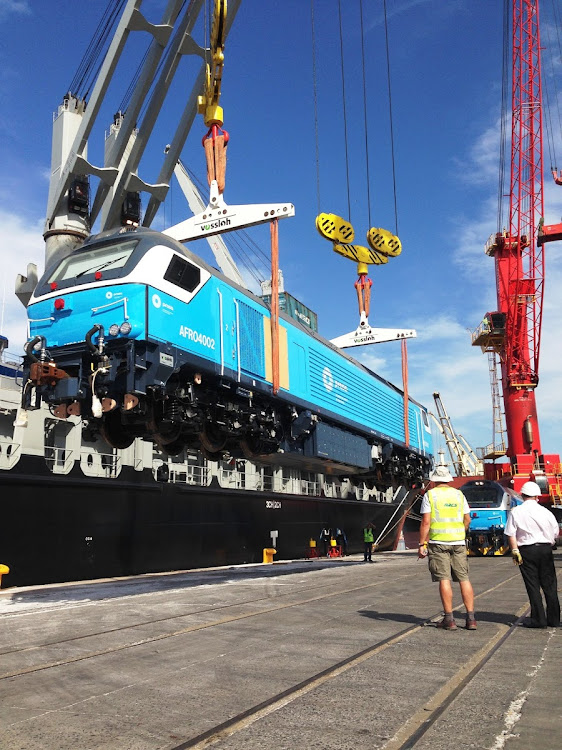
<point>216,242</point>
<point>464,460</point>
<point>69,216</point>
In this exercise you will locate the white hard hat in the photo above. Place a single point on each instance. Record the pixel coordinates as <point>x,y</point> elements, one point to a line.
<point>531,489</point>
<point>440,474</point>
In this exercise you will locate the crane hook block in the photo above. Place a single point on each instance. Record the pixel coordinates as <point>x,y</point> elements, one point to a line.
<point>363,256</point>
<point>383,241</point>
<point>334,228</point>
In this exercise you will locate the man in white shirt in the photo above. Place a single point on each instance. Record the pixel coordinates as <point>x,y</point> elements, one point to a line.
<point>532,531</point>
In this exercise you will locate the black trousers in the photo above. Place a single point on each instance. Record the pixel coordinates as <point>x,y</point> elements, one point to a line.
<point>368,550</point>
<point>538,573</point>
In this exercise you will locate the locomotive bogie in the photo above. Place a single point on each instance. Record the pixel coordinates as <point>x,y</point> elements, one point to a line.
<point>151,342</point>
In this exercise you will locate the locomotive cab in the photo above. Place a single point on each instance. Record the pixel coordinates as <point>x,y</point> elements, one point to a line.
<point>490,504</point>
<point>90,352</point>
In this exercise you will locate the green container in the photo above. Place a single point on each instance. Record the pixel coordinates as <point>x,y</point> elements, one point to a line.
<point>288,304</point>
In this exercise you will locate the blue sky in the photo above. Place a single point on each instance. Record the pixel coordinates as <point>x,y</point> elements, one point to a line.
<point>445,61</point>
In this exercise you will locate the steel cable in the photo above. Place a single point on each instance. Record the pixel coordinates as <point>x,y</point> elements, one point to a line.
<point>88,67</point>
<point>344,112</point>
<point>315,98</point>
<point>365,115</point>
<point>390,118</point>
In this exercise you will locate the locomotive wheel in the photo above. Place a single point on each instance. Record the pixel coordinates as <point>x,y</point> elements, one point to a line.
<point>211,439</point>
<point>172,449</point>
<point>252,447</point>
<point>162,432</point>
<point>113,432</point>
<point>170,437</point>
<point>211,455</point>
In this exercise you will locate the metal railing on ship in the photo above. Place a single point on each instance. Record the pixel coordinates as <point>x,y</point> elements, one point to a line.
<point>9,453</point>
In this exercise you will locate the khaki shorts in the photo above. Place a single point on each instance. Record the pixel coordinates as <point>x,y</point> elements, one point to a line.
<point>448,561</point>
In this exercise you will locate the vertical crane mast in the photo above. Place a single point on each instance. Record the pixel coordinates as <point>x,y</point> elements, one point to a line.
<point>513,332</point>
<point>519,263</point>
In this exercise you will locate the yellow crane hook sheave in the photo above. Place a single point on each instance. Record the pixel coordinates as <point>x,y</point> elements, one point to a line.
<point>382,243</point>
<point>208,103</point>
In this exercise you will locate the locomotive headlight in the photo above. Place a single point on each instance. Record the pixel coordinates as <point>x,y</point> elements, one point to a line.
<point>113,329</point>
<point>125,328</point>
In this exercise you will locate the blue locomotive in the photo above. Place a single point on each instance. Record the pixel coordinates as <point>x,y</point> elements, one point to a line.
<point>142,338</point>
<point>490,504</point>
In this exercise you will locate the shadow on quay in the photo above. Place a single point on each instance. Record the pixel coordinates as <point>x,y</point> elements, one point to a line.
<point>113,588</point>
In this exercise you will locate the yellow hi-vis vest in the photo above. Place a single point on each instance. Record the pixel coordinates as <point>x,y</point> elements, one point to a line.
<point>447,514</point>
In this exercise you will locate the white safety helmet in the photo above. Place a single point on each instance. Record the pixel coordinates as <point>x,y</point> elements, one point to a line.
<point>440,474</point>
<point>531,489</point>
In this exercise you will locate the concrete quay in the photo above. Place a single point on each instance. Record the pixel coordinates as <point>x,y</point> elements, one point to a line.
<point>333,654</point>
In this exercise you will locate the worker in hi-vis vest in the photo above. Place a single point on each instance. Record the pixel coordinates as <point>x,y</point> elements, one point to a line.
<point>368,541</point>
<point>445,521</point>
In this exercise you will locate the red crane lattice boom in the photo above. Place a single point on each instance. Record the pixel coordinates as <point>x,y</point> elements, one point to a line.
<point>520,264</point>
<point>513,332</point>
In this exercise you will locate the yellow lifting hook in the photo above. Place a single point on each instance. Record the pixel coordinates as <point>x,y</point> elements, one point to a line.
<point>208,103</point>
<point>382,245</point>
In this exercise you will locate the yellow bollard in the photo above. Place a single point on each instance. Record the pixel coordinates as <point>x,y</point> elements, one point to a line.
<point>4,570</point>
<point>268,553</point>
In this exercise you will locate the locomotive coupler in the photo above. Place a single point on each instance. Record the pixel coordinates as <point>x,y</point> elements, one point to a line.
<point>42,370</point>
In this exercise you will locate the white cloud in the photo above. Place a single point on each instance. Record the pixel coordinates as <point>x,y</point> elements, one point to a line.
<point>437,329</point>
<point>8,7</point>
<point>21,244</point>
<point>482,164</point>
<point>371,359</point>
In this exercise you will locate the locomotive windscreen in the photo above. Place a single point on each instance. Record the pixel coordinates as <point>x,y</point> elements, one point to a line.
<point>105,257</point>
<point>482,496</point>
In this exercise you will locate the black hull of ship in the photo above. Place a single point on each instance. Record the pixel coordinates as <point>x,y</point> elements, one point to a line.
<point>67,528</point>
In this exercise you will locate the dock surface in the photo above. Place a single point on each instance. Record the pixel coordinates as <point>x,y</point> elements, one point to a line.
<point>331,654</point>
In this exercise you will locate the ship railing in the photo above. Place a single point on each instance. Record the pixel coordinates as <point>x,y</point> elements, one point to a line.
<point>361,492</point>
<point>266,482</point>
<point>9,453</point>
<point>194,475</point>
<point>59,460</point>
<point>499,470</point>
<point>555,491</point>
<point>95,464</point>
<point>333,489</point>
<point>310,487</point>
<point>234,479</point>
<point>259,481</point>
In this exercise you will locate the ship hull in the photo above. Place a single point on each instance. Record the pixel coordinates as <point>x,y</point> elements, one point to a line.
<point>73,527</point>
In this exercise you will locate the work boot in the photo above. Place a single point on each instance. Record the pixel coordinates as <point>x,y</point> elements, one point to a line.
<point>447,624</point>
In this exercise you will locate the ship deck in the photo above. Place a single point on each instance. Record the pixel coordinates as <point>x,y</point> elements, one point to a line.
<point>331,654</point>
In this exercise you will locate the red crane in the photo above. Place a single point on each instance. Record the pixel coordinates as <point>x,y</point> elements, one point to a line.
<point>513,332</point>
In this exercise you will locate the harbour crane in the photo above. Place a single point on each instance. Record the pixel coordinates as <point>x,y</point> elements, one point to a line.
<point>465,461</point>
<point>512,332</point>
<point>71,210</point>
